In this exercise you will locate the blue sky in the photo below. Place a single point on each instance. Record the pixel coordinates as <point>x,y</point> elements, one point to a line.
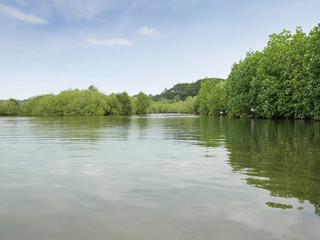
<point>134,45</point>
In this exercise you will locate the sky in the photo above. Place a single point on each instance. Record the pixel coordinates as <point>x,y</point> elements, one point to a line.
<point>134,45</point>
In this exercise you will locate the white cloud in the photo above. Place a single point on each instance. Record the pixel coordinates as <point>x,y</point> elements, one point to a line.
<point>146,31</point>
<point>17,14</point>
<point>110,42</point>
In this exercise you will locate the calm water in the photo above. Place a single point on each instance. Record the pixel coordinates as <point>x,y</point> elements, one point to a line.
<point>158,177</point>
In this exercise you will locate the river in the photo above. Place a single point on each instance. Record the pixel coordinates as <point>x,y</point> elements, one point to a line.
<point>163,176</point>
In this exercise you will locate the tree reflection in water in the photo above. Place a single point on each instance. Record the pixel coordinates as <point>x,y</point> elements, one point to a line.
<point>281,156</point>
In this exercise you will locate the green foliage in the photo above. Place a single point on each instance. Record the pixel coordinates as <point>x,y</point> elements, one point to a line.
<point>180,91</point>
<point>313,70</point>
<point>67,103</point>
<point>171,106</point>
<point>115,105</point>
<point>142,103</point>
<point>9,107</point>
<point>282,81</point>
<point>242,86</point>
<point>75,102</point>
<point>211,97</point>
<point>126,103</point>
<point>92,88</point>
<point>187,106</point>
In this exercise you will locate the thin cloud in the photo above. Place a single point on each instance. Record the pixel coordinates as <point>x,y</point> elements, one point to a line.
<point>83,9</point>
<point>110,42</point>
<point>24,17</point>
<point>146,31</point>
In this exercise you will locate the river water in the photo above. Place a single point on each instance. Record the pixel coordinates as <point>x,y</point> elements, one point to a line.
<point>159,177</point>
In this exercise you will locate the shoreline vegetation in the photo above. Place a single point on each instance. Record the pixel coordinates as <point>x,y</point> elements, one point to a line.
<point>281,81</point>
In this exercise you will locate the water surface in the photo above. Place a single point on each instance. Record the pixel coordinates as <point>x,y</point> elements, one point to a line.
<point>158,177</point>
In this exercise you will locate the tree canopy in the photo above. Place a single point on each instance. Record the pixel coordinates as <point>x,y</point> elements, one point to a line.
<point>282,81</point>
<point>211,97</point>
<point>76,102</point>
<point>180,91</point>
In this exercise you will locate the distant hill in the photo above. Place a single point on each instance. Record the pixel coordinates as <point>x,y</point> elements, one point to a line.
<point>181,91</point>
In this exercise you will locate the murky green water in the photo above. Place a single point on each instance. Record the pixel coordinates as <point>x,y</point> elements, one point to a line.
<point>158,177</point>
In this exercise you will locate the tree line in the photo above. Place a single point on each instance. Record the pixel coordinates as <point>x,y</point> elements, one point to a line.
<point>180,91</point>
<point>281,81</point>
<point>89,102</point>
